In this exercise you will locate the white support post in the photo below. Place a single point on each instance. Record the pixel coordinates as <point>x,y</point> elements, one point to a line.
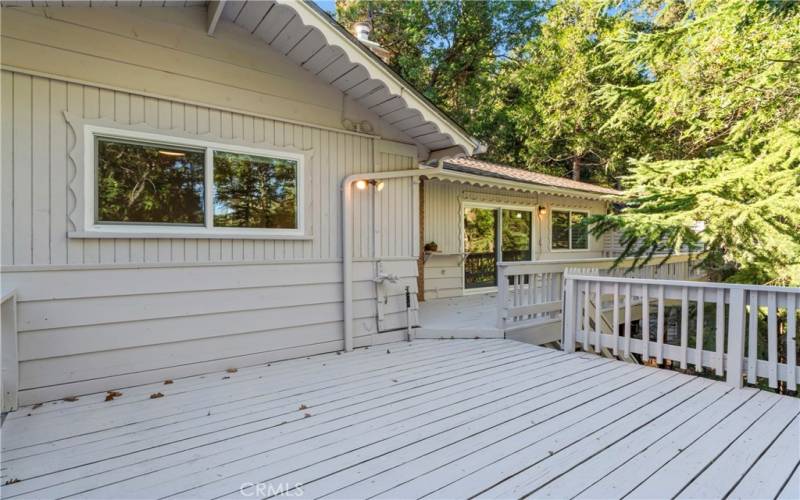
<point>736,322</point>
<point>502,298</point>
<point>9,354</point>
<point>569,316</point>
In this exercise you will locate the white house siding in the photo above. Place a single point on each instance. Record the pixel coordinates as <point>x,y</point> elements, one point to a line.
<point>97,314</point>
<point>444,201</point>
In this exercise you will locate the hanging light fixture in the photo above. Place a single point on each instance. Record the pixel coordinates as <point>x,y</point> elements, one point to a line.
<point>379,185</point>
<point>361,185</point>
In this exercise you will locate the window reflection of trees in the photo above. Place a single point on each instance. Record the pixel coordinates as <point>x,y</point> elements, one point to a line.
<point>144,183</point>
<point>254,192</point>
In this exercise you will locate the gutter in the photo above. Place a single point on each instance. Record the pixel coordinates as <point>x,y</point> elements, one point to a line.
<point>347,236</point>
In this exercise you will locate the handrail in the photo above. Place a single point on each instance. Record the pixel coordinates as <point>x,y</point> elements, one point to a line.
<point>738,312</point>
<point>9,357</point>
<point>523,287</point>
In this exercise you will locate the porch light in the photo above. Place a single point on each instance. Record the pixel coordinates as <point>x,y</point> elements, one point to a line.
<point>362,185</point>
<point>542,211</point>
<point>379,185</point>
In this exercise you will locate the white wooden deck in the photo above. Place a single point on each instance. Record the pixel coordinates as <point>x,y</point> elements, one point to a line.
<point>436,418</point>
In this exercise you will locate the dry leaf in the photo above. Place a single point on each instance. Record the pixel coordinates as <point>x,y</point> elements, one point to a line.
<point>306,415</point>
<point>303,407</point>
<point>71,398</point>
<point>225,377</point>
<point>115,394</point>
<point>156,395</point>
<point>388,351</point>
<point>38,405</point>
<point>167,382</point>
<point>231,370</point>
<point>11,481</point>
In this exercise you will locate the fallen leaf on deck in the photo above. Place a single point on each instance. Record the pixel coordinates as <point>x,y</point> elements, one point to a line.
<point>156,395</point>
<point>38,405</point>
<point>167,382</point>
<point>388,351</point>
<point>231,370</point>
<point>306,415</point>
<point>303,407</point>
<point>71,398</point>
<point>11,481</point>
<point>394,380</point>
<point>225,377</point>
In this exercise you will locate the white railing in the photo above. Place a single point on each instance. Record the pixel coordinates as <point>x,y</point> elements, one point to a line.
<point>9,362</point>
<point>530,292</point>
<point>739,314</point>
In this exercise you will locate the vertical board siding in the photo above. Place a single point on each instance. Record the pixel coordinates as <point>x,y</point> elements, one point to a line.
<point>36,173</point>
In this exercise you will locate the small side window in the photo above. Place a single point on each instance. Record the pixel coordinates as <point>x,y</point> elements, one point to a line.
<point>569,230</point>
<point>254,191</point>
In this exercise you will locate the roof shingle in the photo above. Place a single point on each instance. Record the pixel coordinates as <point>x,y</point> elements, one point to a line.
<point>479,167</point>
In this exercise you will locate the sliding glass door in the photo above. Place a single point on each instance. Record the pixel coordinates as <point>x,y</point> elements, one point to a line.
<point>481,227</point>
<point>480,245</point>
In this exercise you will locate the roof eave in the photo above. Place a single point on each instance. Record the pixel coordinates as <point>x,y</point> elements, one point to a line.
<point>517,185</point>
<point>312,15</point>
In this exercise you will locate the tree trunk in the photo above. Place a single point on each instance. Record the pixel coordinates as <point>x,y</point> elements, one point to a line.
<point>576,168</point>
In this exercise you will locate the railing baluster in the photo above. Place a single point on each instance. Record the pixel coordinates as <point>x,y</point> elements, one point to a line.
<point>791,342</point>
<point>502,298</point>
<point>701,309</point>
<point>684,327</point>
<point>628,319</point>
<point>719,336</point>
<point>752,339</point>
<point>598,311</point>
<point>660,326</point>
<point>645,325</point>
<point>586,328</point>
<point>615,320</point>
<point>772,338</point>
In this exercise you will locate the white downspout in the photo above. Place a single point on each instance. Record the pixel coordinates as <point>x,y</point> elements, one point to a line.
<point>347,236</point>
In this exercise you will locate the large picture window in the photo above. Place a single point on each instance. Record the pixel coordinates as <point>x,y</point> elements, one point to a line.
<point>569,230</point>
<point>143,184</point>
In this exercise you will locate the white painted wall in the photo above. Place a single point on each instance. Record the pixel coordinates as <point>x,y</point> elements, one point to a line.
<point>99,314</point>
<point>444,201</point>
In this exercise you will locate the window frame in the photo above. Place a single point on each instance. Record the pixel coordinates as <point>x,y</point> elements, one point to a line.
<point>569,212</point>
<point>207,229</point>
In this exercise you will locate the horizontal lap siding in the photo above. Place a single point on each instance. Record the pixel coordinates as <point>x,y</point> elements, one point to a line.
<point>96,329</point>
<point>97,314</point>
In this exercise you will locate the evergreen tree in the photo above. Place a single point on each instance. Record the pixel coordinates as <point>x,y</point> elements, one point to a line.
<point>722,78</point>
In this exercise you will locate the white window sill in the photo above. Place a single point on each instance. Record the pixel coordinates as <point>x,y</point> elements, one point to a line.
<point>191,235</point>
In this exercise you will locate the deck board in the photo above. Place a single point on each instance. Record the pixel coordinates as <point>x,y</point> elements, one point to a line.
<point>437,418</point>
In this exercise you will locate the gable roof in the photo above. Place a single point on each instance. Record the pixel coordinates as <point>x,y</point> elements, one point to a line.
<point>310,37</point>
<point>487,169</point>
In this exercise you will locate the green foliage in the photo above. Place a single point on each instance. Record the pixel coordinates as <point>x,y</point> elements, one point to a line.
<point>723,81</point>
<point>453,52</point>
<point>692,105</point>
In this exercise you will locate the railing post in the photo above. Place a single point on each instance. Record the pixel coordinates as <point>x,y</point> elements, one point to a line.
<point>568,316</point>
<point>735,359</point>
<point>502,297</point>
<point>9,368</point>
